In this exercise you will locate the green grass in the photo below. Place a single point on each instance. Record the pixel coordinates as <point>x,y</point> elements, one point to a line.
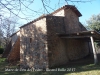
<point>86,69</point>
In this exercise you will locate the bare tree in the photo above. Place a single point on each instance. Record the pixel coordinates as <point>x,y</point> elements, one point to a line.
<point>8,28</point>
<point>20,7</point>
<point>1,34</point>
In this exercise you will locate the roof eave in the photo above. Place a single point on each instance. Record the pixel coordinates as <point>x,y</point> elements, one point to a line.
<point>43,16</point>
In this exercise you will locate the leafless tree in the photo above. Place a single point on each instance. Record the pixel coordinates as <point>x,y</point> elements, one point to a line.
<point>1,34</point>
<point>8,28</point>
<point>20,7</point>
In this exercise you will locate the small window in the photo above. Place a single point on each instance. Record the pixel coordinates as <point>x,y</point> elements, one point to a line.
<point>30,40</point>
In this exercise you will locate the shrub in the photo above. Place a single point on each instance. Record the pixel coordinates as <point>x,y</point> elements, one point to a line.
<point>1,50</point>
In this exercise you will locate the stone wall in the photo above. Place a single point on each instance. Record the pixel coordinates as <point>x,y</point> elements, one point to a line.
<point>71,21</point>
<point>56,47</point>
<point>14,54</point>
<point>76,48</point>
<point>42,48</point>
<point>59,13</point>
<point>14,37</point>
<point>61,51</point>
<point>56,23</point>
<point>34,51</point>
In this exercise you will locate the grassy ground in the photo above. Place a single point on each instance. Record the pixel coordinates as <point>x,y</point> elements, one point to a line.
<point>86,69</point>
